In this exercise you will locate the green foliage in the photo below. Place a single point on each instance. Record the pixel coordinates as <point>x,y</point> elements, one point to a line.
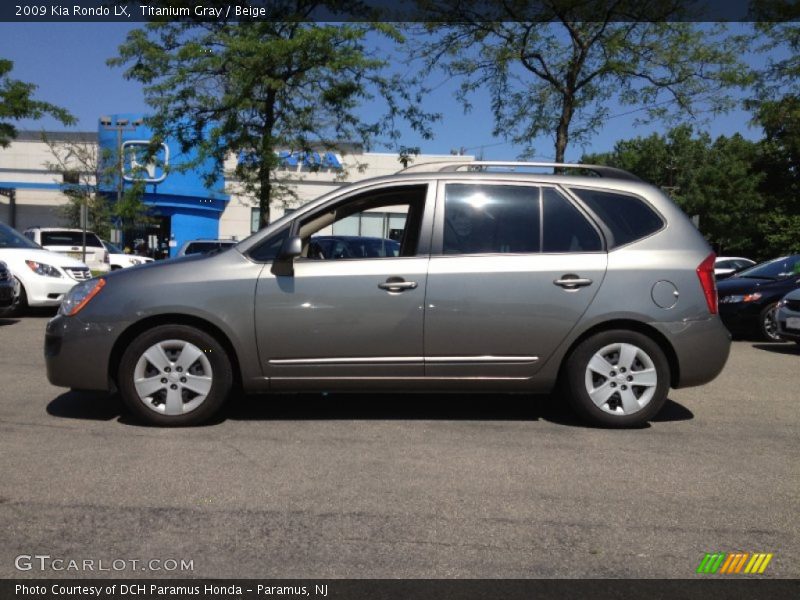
<point>556,71</point>
<point>780,162</point>
<point>255,87</point>
<point>17,102</point>
<point>743,192</point>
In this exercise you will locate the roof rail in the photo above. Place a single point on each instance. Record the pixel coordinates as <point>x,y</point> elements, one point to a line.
<point>451,166</point>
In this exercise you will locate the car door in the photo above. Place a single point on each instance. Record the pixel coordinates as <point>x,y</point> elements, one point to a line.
<point>336,322</point>
<point>513,268</point>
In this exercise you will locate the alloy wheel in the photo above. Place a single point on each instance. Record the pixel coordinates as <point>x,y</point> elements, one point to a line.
<point>173,377</point>
<point>621,379</point>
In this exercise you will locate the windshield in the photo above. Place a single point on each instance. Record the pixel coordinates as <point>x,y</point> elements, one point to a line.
<point>778,268</point>
<point>112,248</point>
<point>11,239</point>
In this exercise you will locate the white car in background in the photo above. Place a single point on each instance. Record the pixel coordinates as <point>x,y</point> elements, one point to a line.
<point>70,242</point>
<point>725,266</point>
<point>119,260</point>
<point>41,277</point>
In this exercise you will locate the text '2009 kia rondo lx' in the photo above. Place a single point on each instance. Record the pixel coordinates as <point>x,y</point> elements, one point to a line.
<point>506,281</point>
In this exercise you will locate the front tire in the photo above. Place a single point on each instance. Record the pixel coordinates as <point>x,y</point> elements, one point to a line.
<point>617,378</point>
<point>20,303</point>
<point>768,323</point>
<point>175,375</point>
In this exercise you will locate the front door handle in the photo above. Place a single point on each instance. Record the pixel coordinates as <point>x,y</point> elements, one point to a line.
<point>570,281</point>
<point>397,284</point>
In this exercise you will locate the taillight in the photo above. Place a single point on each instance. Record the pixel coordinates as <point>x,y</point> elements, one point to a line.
<point>708,282</point>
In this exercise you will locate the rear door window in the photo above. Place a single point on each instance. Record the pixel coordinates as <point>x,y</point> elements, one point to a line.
<point>627,217</point>
<point>565,228</point>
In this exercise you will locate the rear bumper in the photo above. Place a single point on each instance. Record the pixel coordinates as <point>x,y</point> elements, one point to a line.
<point>77,354</point>
<point>701,348</point>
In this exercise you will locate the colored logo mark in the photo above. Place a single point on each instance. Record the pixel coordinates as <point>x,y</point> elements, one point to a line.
<point>731,563</point>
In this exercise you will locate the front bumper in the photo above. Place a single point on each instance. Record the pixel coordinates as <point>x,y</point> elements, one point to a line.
<point>47,291</point>
<point>77,354</point>
<point>792,335</point>
<point>742,318</point>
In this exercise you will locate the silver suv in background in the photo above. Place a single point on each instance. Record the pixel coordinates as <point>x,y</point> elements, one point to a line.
<point>70,242</point>
<point>506,280</point>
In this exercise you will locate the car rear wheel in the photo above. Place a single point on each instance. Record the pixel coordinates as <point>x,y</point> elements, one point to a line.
<point>617,378</point>
<point>175,375</point>
<point>768,323</point>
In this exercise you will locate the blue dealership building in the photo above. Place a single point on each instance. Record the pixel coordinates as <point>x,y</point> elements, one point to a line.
<point>187,199</point>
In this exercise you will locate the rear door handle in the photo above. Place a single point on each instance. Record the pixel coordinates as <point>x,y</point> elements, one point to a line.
<point>571,281</point>
<point>397,284</point>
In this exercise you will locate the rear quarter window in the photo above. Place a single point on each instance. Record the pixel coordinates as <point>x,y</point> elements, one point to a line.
<point>627,217</point>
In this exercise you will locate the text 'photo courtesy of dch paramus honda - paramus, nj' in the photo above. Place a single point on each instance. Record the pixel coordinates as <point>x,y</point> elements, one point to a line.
<point>505,280</point>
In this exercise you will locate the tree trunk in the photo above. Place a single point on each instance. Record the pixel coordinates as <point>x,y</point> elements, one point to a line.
<point>267,160</point>
<point>562,132</point>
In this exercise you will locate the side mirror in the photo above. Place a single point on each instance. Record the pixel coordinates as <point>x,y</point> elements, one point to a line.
<point>283,265</point>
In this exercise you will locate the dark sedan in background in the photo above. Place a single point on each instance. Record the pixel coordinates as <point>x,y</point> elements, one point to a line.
<point>6,286</point>
<point>748,301</point>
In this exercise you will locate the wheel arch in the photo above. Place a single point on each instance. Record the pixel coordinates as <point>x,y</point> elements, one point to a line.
<point>135,329</point>
<point>631,325</point>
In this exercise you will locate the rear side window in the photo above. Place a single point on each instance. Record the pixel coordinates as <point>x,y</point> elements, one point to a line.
<point>69,238</point>
<point>565,228</point>
<point>487,219</point>
<point>627,217</point>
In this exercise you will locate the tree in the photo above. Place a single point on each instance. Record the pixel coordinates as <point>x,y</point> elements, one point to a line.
<point>85,171</point>
<point>780,162</point>
<point>554,66</point>
<point>79,165</point>
<point>17,102</point>
<point>719,181</point>
<point>256,87</point>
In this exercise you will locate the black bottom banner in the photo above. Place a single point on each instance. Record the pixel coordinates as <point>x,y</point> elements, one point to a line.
<point>399,589</point>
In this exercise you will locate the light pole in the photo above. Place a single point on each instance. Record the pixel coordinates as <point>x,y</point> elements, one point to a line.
<point>118,125</point>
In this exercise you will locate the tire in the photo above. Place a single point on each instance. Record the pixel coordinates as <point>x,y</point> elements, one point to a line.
<point>767,325</point>
<point>185,371</point>
<point>605,363</point>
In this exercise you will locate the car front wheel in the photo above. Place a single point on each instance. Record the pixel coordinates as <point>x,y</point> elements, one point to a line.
<point>20,303</point>
<point>769,323</point>
<point>175,375</point>
<point>617,378</point>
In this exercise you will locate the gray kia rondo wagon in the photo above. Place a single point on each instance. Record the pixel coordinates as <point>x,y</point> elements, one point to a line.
<point>506,280</point>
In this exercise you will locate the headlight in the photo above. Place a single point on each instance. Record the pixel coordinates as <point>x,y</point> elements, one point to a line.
<point>42,269</point>
<point>782,302</point>
<point>80,295</point>
<point>740,298</point>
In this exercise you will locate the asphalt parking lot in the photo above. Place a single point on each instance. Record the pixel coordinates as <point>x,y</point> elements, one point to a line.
<point>402,486</point>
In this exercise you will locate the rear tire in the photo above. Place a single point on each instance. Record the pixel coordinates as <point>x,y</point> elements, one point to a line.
<point>617,378</point>
<point>175,375</point>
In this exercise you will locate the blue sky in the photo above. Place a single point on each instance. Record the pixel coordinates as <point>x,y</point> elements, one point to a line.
<point>67,62</point>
